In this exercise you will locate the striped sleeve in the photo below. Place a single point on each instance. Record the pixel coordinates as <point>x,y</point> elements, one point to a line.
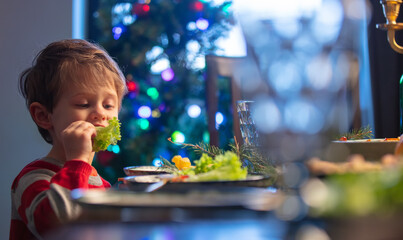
<point>41,194</point>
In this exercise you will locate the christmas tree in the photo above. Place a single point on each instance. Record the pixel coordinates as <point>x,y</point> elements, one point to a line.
<point>160,46</point>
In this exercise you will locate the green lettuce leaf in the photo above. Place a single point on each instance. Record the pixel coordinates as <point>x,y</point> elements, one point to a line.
<point>224,167</point>
<point>107,135</point>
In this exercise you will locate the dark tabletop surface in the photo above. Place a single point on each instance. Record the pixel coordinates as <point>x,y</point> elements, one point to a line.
<point>209,224</point>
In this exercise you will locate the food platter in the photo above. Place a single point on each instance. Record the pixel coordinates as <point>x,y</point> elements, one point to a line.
<point>371,149</point>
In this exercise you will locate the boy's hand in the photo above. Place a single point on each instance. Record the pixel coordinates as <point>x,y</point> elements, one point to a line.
<point>77,141</point>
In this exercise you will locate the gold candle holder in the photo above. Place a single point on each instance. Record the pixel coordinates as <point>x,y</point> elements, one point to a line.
<point>391,10</point>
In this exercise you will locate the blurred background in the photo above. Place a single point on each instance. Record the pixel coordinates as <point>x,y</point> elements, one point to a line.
<point>187,61</point>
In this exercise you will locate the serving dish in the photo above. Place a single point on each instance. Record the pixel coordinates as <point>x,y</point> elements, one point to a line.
<point>144,170</point>
<point>371,149</point>
<point>251,198</point>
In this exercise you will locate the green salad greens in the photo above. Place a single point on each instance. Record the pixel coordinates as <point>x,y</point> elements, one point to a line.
<point>360,194</point>
<point>107,135</point>
<point>224,167</point>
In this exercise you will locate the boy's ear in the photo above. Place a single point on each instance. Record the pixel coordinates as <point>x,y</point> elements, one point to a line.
<point>40,115</point>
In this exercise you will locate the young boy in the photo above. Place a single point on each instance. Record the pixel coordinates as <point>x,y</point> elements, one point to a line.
<point>72,87</point>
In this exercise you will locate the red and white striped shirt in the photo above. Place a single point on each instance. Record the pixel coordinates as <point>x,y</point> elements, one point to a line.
<point>40,195</point>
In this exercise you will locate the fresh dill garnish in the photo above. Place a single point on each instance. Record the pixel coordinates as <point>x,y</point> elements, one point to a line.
<point>201,148</point>
<point>354,134</point>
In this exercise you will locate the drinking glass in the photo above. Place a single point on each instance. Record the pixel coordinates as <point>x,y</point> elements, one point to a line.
<point>247,124</point>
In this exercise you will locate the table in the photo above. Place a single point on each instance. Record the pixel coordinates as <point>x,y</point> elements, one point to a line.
<point>236,224</point>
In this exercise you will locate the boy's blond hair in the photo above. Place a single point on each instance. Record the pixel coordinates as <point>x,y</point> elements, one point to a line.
<point>67,62</point>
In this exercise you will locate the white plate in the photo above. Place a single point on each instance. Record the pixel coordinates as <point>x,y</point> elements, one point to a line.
<point>144,170</point>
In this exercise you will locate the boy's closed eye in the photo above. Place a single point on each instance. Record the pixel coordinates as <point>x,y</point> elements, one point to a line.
<point>83,105</point>
<point>86,105</point>
<point>109,106</point>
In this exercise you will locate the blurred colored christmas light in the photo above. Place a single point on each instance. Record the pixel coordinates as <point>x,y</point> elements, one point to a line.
<point>131,86</point>
<point>194,111</point>
<point>117,32</point>
<point>141,9</point>
<point>127,20</point>
<point>198,6</point>
<point>156,113</point>
<point>157,162</point>
<point>178,136</point>
<point>164,40</point>
<point>168,74</point>
<point>193,46</point>
<point>195,60</point>
<point>176,37</point>
<point>155,52</point>
<point>202,24</point>
<point>206,137</point>
<point>153,93</point>
<point>121,8</point>
<point>143,123</point>
<point>191,26</point>
<point>219,118</point>
<point>144,112</point>
<point>122,14</point>
<point>115,149</point>
<point>146,8</point>
<point>160,65</point>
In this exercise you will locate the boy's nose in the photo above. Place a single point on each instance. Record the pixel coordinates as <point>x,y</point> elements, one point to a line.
<point>100,117</point>
<point>98,114</point>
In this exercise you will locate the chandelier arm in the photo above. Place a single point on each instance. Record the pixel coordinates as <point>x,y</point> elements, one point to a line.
<point>392,41</point>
